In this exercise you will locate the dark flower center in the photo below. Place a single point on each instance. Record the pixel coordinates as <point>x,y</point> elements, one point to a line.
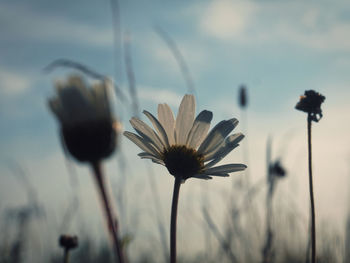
<point>183,161</point>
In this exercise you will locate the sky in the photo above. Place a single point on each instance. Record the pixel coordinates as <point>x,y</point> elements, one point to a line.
<point>277,48</point>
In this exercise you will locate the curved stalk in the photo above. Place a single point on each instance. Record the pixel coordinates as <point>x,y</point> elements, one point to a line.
<point>112,221</point>
<point>173,220</point>
<point>312,202</point>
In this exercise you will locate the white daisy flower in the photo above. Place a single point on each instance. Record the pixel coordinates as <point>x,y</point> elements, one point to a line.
<point>85,117</point>
<point>183,145</point>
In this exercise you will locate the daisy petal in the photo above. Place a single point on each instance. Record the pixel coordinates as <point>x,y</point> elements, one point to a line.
<point>220,175</point>
<point>154,159</point>
<point>184,119</point>
<point>221,155</point>
<point>229,142</point>
<point>202,176</point>
<point>199,129</point>
<point>147,133</point>
<point>227,168</point>
<point>217,135</point>
<point>156,124</point>
<point>166,118</point>
<point>234,138</point>
<point>157,161</point>
<point>146,154</point>
<point>140,142</point>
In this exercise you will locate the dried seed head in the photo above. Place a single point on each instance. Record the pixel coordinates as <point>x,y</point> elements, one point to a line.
<point>243,98</point>
<point>68,242</point>
<point>311,102</point>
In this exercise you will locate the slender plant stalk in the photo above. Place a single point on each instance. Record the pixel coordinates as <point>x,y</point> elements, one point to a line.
<point>175,201</point>
<point>158,206</point>
<point>225,245</point>
<point>313,224</point>
<point>66,255</point>
<point>180,59</point>
<point>267,250</point>
<point>112,221</point>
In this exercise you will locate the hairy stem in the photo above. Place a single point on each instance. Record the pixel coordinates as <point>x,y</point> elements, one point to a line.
<point>175,201</point>
<point>313,223</point>
<point>112,221</point>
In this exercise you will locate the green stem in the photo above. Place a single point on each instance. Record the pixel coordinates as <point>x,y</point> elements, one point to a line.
<point>313,223</point>
<point>175,201</point>
<point>112,221</point>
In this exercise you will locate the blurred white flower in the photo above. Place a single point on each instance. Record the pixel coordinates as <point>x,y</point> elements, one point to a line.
<point>86,121</point>
<point>184,145</point>
<point>76,103</point>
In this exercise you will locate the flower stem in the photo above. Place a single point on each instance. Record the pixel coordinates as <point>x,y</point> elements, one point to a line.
<point>176,192</point>
<point>313,223</point>
<point>112,221</point>
<point>66,255</point>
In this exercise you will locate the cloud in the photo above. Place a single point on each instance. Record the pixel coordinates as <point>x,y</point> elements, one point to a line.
<point>13,83</point>
<point>319,27</point>
<point>334,36</point>
<point>40,27</point>
<point>225,19</point>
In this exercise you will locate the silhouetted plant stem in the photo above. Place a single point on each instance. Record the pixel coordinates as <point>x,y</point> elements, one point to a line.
<point>173,219</point>
<point>312,202</point>
<point>267,249</point>
<point>66,255</point>
<point>112,221</point>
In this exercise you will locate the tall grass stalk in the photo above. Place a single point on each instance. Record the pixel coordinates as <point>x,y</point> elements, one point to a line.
<point>180,59</point>
<point>158,207</point>
<point>267,249</point>
<point>224,244</point>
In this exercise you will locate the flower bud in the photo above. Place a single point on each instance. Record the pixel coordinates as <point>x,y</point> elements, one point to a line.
<point>87,125</point>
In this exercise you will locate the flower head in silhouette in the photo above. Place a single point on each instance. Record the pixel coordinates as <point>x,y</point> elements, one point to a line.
<point>68,242</point>
<point>311,102</point>
<point>183,145</point>
<point>86,122</point>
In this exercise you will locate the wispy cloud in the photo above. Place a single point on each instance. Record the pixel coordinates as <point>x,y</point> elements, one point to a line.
<point>320,26</point>
<point>31,25</point>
